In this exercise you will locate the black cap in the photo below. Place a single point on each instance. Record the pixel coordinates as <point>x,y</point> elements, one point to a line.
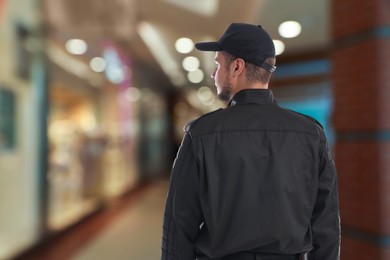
<point>246,41</point>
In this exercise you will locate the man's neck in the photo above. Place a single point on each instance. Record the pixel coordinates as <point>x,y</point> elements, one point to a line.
<point>256,85</point>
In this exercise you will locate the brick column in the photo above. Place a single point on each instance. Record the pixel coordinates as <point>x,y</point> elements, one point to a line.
<point>361,85</point>
<point>1,8</point>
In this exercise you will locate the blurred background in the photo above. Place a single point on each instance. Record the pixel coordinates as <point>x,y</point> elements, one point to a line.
<point>94,95</point>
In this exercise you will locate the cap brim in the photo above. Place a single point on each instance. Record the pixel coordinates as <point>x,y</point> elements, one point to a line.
<point>208,46</point>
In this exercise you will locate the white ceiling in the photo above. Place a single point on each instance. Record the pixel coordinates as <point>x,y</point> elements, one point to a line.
<point>97,21</point>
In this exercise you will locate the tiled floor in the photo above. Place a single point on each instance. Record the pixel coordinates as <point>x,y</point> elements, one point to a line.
<point>130,229</point>
<point>134,234</point>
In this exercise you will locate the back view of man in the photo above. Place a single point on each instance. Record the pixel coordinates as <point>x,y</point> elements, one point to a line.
<point>253,180</point>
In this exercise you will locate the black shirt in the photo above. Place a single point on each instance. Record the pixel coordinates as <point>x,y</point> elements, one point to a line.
<point>253,177</point>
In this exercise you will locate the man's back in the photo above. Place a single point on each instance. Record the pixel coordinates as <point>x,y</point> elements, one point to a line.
<point>258,177</point>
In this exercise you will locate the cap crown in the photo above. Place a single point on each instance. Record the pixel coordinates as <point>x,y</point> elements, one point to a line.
<point>249,42</point>
<point>246,41</point>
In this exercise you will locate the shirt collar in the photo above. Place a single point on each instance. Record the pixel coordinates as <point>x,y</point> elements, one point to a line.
<point>257,96</point>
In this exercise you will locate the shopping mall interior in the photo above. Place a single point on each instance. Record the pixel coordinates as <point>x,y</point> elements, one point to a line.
<point>94,96</point>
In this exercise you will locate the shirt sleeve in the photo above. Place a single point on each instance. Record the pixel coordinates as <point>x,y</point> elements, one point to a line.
<point>326,215</point>
<point>182,215</point>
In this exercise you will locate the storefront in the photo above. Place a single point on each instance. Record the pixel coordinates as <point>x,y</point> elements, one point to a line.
<point>71,140</point>
<point>22,88</point>
<point>93,139</point>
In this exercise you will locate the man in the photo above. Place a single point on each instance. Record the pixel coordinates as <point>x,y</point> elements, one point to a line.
<point>254,180</point>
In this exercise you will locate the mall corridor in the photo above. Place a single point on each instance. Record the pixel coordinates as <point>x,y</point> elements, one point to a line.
<point>130,229</point>
<point>94,96</point>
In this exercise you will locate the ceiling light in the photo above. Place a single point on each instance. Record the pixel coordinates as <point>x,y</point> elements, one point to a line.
<point>204,94</point>
<point>279,47</point>
<point>191,63</point>
<point>97,64</point>
<point>76,46</point>
<point>290,29</point>
<point>133,94</point>
<point>195,76</point>
<point>184,45</point>
<point>154,40</point>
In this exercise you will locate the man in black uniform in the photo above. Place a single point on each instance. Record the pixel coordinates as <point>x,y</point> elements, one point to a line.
<point>253,180</point>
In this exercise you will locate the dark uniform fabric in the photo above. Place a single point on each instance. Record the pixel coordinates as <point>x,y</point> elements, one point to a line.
<point>252,178</point>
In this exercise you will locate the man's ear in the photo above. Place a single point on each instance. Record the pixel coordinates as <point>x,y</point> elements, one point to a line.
<point>238,68</point>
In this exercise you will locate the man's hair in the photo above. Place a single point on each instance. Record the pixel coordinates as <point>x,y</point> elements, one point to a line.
<point>228,58</point>
<point>253,73</point>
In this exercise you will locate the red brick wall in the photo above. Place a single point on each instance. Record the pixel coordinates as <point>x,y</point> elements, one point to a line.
<point>354,249</point>
<point>359,72</point>
<point>361,85</point>
<point>352,16</point>
<point>359,185</point>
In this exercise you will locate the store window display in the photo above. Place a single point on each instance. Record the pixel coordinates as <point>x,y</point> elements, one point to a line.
<point>75,151</point>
